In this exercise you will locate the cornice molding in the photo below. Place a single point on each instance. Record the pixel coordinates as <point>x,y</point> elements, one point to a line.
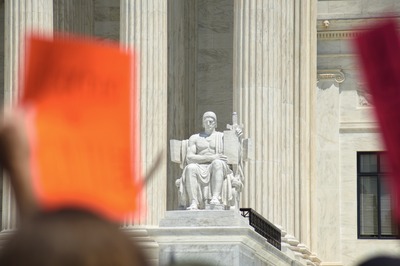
<point>331,74</point>
<point>359,127</point>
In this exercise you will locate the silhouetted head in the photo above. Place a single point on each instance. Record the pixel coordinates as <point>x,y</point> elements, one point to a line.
<point>70,238</point>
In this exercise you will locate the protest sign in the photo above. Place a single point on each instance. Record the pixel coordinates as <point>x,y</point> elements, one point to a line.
<point>83,138</point>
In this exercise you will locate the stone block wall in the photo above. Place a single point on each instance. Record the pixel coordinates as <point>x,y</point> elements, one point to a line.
<point>352,128</point>
<point>214,61</point>
<point>106,19</point>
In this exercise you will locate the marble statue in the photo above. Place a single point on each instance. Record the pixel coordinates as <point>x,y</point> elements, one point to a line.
<point>212,164</point>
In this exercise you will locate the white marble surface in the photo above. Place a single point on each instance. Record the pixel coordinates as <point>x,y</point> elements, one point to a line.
<point>144,29</point>
<point>356,8</point>
<point>354,249</point>
<point>203,218</point>
<point>358,132</point>
<point>220,238</point>
<point>274,90</point>
<point>327,172</point>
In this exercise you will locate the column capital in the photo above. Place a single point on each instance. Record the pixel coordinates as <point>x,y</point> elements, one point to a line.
<point>331,74</point>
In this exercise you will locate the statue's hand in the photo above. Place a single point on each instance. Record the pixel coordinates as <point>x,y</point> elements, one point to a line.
<point>239,132</point>
<point>236,183</point>
<point>221,157</point>
<point>178,183</point>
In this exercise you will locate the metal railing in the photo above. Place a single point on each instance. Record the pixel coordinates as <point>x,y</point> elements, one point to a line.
<point>263,227</point>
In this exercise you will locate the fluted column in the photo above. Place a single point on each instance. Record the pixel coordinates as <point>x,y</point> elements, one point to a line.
<point>144,27</point>
<point>74,16</point>
<point>21,17</point>
<point>306,14</point>
<point>273,94</point>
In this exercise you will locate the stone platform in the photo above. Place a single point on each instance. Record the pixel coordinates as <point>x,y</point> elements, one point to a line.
<point>214,238</point>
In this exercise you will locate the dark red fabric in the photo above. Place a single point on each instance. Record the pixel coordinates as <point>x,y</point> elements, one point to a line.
<point>379,50</point>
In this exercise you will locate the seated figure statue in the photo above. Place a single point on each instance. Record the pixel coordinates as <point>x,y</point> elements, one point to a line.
<point>207,177</point>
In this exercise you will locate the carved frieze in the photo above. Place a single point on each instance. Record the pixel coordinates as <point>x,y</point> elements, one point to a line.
<point>337,34</point>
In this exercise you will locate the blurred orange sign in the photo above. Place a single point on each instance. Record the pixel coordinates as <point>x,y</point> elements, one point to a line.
<point>84,140</point>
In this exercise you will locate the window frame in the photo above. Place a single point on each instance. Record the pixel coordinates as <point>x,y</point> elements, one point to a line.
<point>379,174</point>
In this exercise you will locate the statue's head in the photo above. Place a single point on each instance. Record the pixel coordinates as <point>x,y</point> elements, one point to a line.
<point>209,120</point>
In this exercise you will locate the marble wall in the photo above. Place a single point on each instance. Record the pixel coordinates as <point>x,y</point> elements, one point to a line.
<point>327,172</point>
<point>214,79</point>
<point>355,130</point>
<point>182,64</point>
<point>352,249</point>
<point>107,19</point>
<point>356,8</point>
<point>74,16</point>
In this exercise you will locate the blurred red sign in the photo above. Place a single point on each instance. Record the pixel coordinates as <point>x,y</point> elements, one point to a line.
<point>379,49</point>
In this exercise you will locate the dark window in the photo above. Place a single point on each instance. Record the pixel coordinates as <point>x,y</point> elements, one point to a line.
<point>375,204</point>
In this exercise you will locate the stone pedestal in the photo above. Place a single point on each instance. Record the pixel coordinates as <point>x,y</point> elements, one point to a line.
<point>213,237</point>
<point>216,207</point>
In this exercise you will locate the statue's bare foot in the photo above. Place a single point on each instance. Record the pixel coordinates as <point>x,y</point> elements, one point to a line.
<point>214,200</point>
<point>192,207</point>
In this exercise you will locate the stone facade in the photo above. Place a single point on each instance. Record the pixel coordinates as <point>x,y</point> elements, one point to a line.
<point>345,126</point>
<point>261,59</point>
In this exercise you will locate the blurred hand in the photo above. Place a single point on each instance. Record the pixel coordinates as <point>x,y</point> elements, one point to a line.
<point>14,148</point>
<point>15,159</point>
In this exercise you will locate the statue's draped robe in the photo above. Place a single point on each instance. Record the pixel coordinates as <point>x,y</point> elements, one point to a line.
<point>203,174</point>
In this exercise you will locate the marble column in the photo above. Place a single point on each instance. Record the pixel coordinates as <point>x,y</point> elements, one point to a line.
<point>144,29</point>
<point>274,80</point>
<point>306,18</point>
<point>21,17</point>
<point>74,16</point>
<point>327,219</point>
